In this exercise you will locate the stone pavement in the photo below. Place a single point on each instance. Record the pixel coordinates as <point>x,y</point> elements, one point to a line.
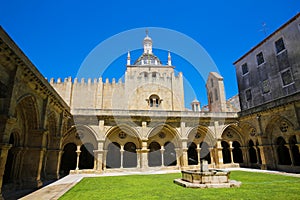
<point>56,189</point>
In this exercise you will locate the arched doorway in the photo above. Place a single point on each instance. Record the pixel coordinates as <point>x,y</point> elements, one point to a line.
<point>129,156</point>
<point>192,154</point>
<point>252,152</point>
<point>86,158</point>
<point>283,152</point>
<point>113,157</point>
<point>154,155</point>
<point>170,154</point>
<point>237,152</point>
<point>204,152</point>
<point>68,159</point>
<point>294,150</point>
<point>226,152</point>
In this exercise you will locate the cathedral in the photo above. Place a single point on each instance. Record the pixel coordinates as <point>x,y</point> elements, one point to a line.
<point>142,123</point>
<point>51,128</point>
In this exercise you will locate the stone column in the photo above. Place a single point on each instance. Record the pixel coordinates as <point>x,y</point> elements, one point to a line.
<point>60,153</point>
<point>211,152</point>
<point>231,153</point>
<point>138,157</point>
<point>4,148</point>
<point>144,155</point>
<point>291,154</point>
<point>264,149</point>
<point>99,156</point>
<point>219,153</point>
<point>104,159</point>
<point>78,154</point>
<point>98,160</point>
<point>245,151</point>
<point>122,153</point>
<point>184,150</point>
<point>162,150</point>
<point>41,161</point>
<point>199,156</point>
<point>178,151</point>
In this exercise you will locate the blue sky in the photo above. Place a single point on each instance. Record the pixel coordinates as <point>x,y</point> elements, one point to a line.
<point>58,35</point>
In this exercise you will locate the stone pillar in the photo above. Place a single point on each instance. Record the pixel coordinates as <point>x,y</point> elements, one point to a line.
<point>60,153</point>
<point>162,150</point>
<point>98,166</point>
<point>291,154</point>
<point>245,151</point>
<point>144,155</point>
<point>104,159</point>
<point>257,154</point>
<point>3,156</point>
<point>211,153</point>
<point>184,157</point>
<point>41,161</point>
<point>78,154</point>
<point>138,157</point>
<point>122,153</point>
<point>178,152</point>
<point>231,153</point>
<point>264,149</point>
<point>99,156</point>
<point>199,156</point>
<point>219,153</point>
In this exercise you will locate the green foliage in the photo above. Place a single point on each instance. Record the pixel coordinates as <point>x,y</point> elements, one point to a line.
<point>254,186</point>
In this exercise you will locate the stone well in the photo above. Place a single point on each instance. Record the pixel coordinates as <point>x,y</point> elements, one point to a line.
<point>206,178</point>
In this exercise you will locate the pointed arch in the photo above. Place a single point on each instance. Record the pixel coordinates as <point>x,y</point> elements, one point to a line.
<point>122,134</point>
<point>273,124</point>
<point>28,106</point>
<point>163,133</point>
<point>232,132</point>
<point>200,134</point>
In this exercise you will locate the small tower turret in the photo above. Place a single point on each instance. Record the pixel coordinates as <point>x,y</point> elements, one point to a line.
<point>196,105</point>
<point>128,58</point>
<point>169,59</point>
<point>147,44</point>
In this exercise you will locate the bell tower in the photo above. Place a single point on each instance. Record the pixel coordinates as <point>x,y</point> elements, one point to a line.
<point>147,44</point>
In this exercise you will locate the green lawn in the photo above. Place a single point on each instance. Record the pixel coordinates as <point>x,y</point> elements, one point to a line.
<point>254,186</point>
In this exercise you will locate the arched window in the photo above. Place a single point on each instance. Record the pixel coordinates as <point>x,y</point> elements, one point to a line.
<point>205,152</point>
<point>216,94</point>
<point>113,157</point>
<point>237,152</point>
<point>154,155</point>
<point>295,150</point>
<point>69,158</point>
<point>170,154</point>
<point>283,152</point>
<point>154,100</point>
<point>86,158</point>
<point>192,154</point>
<point>226,152</point>
<point>130,157</point>
<point>252,152</point>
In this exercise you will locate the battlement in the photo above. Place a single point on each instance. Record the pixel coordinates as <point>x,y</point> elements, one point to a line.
<point>84,81</point>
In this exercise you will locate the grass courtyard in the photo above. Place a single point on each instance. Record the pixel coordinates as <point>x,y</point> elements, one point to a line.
<point>254,186</point>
